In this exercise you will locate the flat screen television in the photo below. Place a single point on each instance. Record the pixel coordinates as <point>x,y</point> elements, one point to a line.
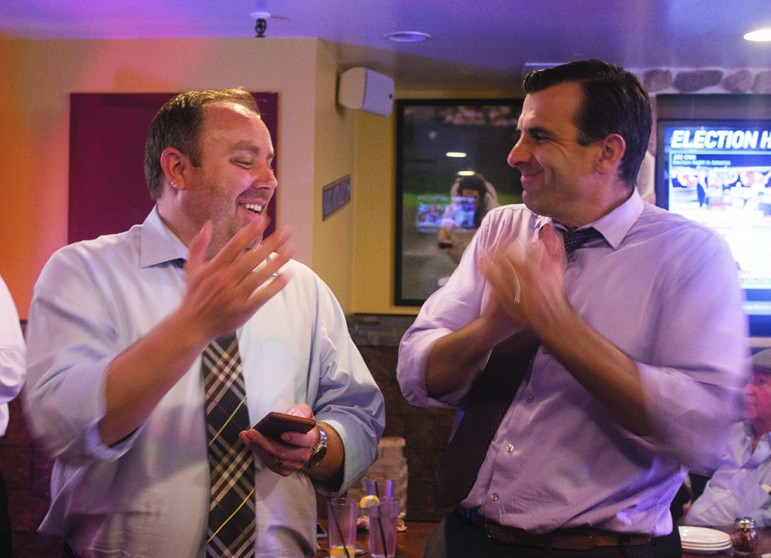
<point>718,172</point>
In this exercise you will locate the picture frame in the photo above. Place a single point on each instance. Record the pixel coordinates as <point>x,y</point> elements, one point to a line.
<point>442,145</point>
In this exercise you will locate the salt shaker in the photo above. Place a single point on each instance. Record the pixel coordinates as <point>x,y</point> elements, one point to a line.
<point>745,537</point>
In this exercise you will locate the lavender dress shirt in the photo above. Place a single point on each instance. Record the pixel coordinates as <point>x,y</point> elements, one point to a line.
<point>664,290</point>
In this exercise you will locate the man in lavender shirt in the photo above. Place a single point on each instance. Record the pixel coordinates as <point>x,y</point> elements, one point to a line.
<point>642,336</point>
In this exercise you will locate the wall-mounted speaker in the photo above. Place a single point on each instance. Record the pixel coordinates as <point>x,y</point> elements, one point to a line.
<point>366,90</point>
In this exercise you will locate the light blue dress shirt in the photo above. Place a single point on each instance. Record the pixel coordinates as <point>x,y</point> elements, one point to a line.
<point>148,495</point>
<point>740,487</point>
<point>664,290</point>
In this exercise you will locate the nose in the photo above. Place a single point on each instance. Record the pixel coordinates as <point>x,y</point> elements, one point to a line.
<point>749,389</point>
<point>265,177</point>
<point>518,154</point>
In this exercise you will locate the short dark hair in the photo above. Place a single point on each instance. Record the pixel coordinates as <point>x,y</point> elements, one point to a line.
<point>613,102</point>
<point>475,182</point>
<point>178,124</point>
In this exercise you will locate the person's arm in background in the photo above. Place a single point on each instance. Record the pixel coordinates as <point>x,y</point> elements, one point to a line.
<point>12,353</point>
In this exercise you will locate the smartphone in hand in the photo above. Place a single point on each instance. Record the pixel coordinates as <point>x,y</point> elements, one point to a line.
<point>274,424</point>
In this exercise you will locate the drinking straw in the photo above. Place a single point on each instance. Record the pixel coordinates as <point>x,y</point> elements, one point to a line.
<point>380,522</point>
<point>339,531</point>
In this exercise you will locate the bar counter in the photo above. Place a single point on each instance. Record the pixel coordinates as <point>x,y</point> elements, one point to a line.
<point>411,543</point>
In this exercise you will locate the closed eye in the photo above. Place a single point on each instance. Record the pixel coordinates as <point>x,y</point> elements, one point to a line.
<point>540,138</point>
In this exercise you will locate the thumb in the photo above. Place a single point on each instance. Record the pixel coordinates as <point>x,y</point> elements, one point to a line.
<point>552,240</point>
<point>300,410</point>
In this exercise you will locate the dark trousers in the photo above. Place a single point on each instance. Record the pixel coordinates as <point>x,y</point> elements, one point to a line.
<point>455,537</point>
<point>5,522</point>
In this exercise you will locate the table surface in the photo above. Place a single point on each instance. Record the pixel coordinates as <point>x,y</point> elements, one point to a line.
<point>764,546</point>
<point>409,543</point>
<point>412,542</point>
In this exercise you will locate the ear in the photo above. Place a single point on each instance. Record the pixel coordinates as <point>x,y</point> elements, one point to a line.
<point>173,164</point>
<point>612,150</point>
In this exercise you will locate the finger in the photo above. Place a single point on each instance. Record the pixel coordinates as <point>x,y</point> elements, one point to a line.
<point>246,236</point>
<point>300,410</point>
<point>266,258</point>
<point>501,269</point>
<point>552,240</point>
<point>198,247</point>
<point>269,278</point>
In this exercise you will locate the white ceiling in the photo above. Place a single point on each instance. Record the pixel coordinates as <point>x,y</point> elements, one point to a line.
<point>475,44</point>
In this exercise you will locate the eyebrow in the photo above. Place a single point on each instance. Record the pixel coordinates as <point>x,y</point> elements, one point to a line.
<point>533,130</point>
<point>244,145</point>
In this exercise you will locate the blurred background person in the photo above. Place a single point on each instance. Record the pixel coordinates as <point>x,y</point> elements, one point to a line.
<point>740,486</point>
<point>471,197</point>
<point>12,374</point>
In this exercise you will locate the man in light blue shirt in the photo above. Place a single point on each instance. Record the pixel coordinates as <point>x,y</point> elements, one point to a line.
<point>117,326</point>
<point>741,485</point>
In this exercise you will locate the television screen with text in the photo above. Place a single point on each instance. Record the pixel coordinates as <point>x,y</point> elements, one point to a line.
<point>719,173</point>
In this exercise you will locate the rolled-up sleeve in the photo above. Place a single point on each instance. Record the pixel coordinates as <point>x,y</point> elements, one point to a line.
<point>347,397</point>
<point>700,360</point>
<point>71,345</point>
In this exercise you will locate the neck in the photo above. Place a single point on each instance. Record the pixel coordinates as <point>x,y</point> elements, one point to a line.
<point>593,209</point>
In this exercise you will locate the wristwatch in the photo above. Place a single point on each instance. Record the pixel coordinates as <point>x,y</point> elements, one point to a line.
<point>319,450</point>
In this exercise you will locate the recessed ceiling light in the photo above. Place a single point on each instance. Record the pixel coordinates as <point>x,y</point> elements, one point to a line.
<point>759,35</point>
<point>407,36</point>
<point>455,154</point>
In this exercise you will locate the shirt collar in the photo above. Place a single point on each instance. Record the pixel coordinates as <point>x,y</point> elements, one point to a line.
<point>615,225</point>
<point>157,243</point>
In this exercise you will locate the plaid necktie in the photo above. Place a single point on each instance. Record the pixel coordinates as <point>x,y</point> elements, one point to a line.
<point>231,509</point>
<point>488,400</point>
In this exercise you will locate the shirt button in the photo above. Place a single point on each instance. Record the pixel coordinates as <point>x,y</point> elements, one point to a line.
<point>494,497</point>
<point>510,448</point>
<point>529,398</point>
<point>572,258</point>
<point>544,351</point>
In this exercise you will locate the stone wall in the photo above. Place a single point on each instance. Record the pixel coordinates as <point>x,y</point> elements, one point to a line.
<point>705,80</point>
<point>425,431</point>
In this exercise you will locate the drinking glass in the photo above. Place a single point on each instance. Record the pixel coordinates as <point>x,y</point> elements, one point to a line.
<point>341,533</point>
<point>381,488</point>
<point>382,528</point>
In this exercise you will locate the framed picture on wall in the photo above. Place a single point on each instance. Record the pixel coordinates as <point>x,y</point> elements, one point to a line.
<point>450,170</point>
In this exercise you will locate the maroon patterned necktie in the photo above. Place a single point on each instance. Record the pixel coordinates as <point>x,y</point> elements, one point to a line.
<point>488,400</point>
<point>232,528</point>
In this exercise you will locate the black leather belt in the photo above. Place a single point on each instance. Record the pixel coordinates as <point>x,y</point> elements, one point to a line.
<point>562,539</point>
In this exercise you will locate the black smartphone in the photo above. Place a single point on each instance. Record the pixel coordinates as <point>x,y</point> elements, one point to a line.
<point>274,423</point>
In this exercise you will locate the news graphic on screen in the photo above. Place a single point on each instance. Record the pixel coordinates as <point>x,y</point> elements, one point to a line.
<point>436,211</point>
<point>719,174</point>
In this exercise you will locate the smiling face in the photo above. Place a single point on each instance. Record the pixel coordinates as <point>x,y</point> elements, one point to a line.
<point>234,180</point>
<point>558,177</point>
